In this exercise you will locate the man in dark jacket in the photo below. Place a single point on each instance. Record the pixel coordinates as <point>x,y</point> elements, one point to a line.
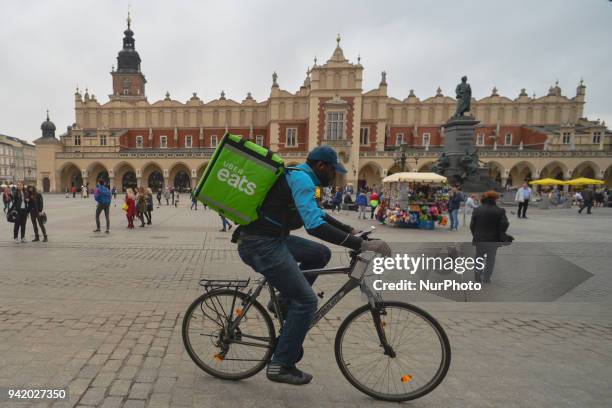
<point>587,200</point>
<point>20,207</point>
<point>35,208</point>
<point>489,225</point>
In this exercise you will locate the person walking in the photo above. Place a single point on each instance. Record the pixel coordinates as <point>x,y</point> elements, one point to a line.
<point>159,196</point>
<point>194,203</point>
<point>362,202</point>
<point>7,198</point>
<point>149,206</point>
<point>102,195</point>
<point>141,205</point>
<point>172,194</point>
<point>488,226</point>
<point>225,223</point>
<point>337,201</point>
<point>35,208</point>
<point>523,195</point>
<point>373,204</point>
<point>587,200</point>
<point>20,206</point>
<point>454,203</point>
<point>130,207</point>
<point>470,204</point>
<point>73,189</point>
<point>167,196</point>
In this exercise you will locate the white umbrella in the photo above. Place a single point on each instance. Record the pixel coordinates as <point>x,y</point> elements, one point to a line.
<point>416,177</point>
<point>3,186</point>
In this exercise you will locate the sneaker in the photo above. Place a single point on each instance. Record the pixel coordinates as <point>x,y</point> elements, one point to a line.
<point>36,239</point>
<point>107,231</point>
<point>96,230</point>
<point>16,239</point>
<point>223,230</point>
<point>23,240</point>
<point>288,375</point>
<point>45,239</point>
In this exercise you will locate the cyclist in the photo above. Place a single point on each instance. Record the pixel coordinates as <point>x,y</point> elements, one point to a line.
<point>267,246</point>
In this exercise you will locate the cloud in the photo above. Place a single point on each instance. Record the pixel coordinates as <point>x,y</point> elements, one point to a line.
<point>209,46</point>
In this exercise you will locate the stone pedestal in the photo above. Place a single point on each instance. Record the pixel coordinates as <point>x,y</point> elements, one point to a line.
<point>459,146</point>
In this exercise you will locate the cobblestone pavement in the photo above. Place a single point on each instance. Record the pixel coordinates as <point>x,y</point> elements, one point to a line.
<point>101,315</point>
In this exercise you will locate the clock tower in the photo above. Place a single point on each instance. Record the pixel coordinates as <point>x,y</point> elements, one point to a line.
<point>128,81</point>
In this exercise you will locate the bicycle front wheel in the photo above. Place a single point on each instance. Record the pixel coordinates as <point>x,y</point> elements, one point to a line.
<point>416,362</point>
<point>221,352</point>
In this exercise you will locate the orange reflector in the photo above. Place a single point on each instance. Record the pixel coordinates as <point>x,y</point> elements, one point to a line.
<point>219,357</point>
<point>406,378</point>
<point>238,312</point>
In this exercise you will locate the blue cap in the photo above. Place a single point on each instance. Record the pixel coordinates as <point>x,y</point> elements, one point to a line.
<point>328,155</point>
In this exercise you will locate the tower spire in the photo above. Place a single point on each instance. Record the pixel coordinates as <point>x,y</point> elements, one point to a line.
<point>129,19</point>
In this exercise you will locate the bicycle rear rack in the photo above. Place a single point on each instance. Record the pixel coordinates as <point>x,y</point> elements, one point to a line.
<point>214,284</point>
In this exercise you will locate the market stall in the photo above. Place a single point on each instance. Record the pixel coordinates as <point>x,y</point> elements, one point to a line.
<point>414,200</point>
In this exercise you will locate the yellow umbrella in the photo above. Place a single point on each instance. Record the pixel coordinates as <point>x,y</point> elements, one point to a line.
<point>547,182</point>
<point>583,180</point>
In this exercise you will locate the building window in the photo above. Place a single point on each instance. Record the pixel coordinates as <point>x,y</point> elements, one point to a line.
<point>335,125</point>
<point>508,139</point>
<point>480,139</point>
<point>364,136</point>
<point>567,138</point>
<point>126,91</point>
<point>77,140</point>
<point>213,141</point>
<point>259,139</point>
<point>163,142</point>
<point>399,139</point>
<point>188,141</point>
<point>596,137</point>
<point>426,139</point>
<point>102,140</point>
<point>139,142</point>
<point>291,134</point>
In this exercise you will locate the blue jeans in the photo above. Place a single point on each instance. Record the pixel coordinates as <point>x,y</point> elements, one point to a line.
<point>454,218</point>
<point>277,259</point>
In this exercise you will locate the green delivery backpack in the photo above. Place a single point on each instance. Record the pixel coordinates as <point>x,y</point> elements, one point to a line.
<point>238,178</point>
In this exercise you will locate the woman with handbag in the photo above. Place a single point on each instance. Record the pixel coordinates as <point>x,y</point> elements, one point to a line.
<point>141,205</point>
<point>19,208</point>
<point>489,225</point>
<point>35,204</point>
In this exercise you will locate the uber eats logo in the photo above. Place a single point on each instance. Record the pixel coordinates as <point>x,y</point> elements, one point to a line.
<point>234,177</point>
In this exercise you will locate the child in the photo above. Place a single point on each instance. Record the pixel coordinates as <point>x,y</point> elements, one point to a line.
<point>131,208</point>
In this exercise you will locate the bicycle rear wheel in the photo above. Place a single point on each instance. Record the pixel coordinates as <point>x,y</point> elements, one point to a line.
<point>422,351</point>
<point>209,343</point>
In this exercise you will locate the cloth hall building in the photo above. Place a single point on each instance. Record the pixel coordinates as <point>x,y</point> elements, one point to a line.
<point>130,141</point>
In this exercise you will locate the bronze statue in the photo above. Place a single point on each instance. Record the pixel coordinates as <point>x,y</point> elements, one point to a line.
<point>441,165</point>
<point>464,97</point>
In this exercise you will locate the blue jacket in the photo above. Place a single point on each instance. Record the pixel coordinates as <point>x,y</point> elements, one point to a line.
<point>102,194</point>
<point>362,199</point>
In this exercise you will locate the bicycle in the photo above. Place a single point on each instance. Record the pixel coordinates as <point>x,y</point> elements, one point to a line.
<point>389,350</point>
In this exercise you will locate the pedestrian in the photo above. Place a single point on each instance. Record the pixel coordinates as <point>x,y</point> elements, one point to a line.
<point>454,203</point>
<point>194,203</point>
<point>488,226</point>
<point>159,196</point>
<point>167,196</point>
<point>36,210</point>
<point>172,194</point>
<point>7,198</point>
<point>587,200</point>
<point>470,204</point>
<point>20,207</point>
<point>102,195</point>
<point>176,201</point>
<point>225,223</point>
<point>373,204</point>
<point>362,202</point>
<point>74,191</point>
<point>337,200</point>
<point>149,205</point>
<point>141,205</point>
<point>347,201</point>
<point>523,195</point>
<point>130,207</point>
<point>578,199</point>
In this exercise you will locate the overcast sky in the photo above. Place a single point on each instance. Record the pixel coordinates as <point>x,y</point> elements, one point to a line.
<point>49,47</point>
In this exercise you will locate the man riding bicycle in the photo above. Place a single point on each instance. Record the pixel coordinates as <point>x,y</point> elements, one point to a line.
<point>267,246</point>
